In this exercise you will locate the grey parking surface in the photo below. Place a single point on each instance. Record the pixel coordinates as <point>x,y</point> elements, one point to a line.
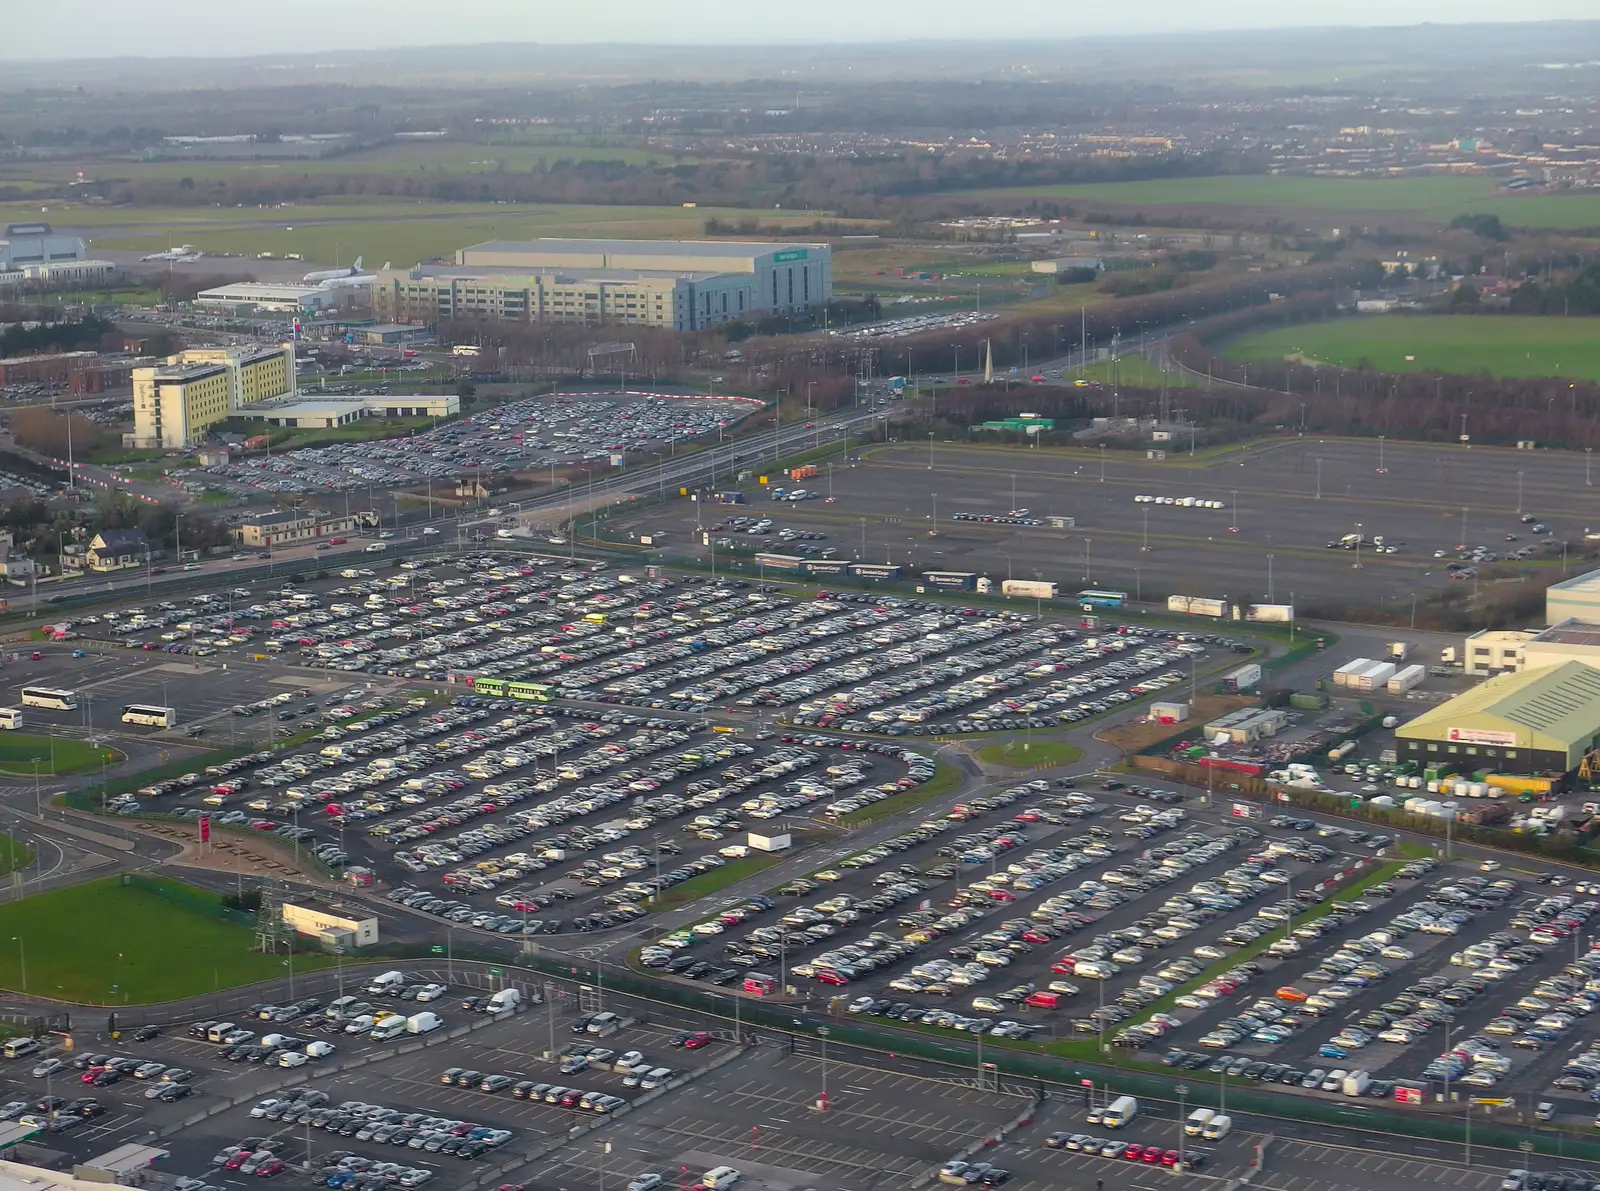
<point>759,1115</point>
<point>884,506</point>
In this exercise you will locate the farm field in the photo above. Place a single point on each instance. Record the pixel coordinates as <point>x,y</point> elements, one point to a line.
<point>1502,346</point>
<point>398,231</point>
<point>103,942</point>
<point>1432,198</point>
<point>392,160</point>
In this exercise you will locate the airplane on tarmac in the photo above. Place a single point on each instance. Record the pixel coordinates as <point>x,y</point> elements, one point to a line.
<point>322,275</point>
<point>349,280</point>
<point>187,252</point>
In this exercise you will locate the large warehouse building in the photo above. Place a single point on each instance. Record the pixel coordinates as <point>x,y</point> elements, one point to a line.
<point>1535,721</point>
<point>684,285</point>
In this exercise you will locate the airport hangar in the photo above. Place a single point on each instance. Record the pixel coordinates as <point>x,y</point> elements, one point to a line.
<point>684,285</point>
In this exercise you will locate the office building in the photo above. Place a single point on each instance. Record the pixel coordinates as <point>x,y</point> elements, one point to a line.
<point>176,402</point>
<point>683,285</point>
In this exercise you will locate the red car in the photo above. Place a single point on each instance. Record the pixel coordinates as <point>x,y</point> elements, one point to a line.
<point>269,1168</point>
<point>1170,1158</point>
<point>696,1040</point>
<point>1152,1153</point>
<point>1134,1153</point>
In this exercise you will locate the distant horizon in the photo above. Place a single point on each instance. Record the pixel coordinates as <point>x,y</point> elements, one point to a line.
<point>76,31</point>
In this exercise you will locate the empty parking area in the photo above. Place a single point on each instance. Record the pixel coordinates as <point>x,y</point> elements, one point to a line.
<point>1287,498</point>
<point>1309,1166</point>
<point>759,1115</point>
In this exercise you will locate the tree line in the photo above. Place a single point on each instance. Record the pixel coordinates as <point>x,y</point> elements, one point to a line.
<point>1432,406</point>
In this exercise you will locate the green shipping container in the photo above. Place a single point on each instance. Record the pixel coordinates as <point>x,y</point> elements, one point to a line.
<point>1308,701</point>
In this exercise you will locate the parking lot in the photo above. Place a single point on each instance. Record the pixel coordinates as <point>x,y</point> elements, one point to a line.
<point>551,431</point>
<point>1288,500</point>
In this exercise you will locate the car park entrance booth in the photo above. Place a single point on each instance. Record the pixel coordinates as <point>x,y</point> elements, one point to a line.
<point>123,1165</point>
<point>1535,721</point>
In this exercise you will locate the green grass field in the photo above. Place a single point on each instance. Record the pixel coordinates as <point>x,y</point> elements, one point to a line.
<point>1502,346</point>
<point>1438,198</point>
<point>18,749</point>
<point>398,231</point>
<point>1022,754</point>
<point>718,878</point>
<point>81,941</point>
<point>1134,371</point>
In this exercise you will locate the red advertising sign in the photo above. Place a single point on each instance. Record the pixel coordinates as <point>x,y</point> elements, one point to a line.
<point>205,828</point>
<point>1408,1095</point>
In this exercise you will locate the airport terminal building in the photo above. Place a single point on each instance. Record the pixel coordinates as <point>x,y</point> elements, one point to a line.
<point>682,285</point>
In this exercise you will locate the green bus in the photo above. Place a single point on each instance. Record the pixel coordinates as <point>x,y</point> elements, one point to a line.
<point>501,688</point>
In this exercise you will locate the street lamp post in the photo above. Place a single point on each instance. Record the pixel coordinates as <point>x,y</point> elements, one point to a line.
<point>1183,1092</point>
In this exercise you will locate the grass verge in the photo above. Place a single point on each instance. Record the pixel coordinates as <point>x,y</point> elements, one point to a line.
<point>14,855</point>
<point>729,874</point>
<point>19,749</point>
<point>1023,754</point>
<point>106,943</point>
<point>945,779</point>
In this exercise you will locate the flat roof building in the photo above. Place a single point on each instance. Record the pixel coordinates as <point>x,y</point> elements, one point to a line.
<point>1577,598</point>
<point>262,295</point>
<point>335,923</point>
<point>1495,651</point>
<point>290,525</point>
<point>683,285</point>
<point>1536,721</point>
<point>323,411</point>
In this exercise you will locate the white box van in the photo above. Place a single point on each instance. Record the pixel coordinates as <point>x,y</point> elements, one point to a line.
<point>1119,1112</point>
<point>1198,1120</point>
<point>719,1177</point>
<point>506,998</point>
<point>382,984</point>
<point>1217,1128</point>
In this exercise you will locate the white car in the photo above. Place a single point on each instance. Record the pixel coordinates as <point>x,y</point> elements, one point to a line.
<point>1489,866</point>
<point>292,1058</point>
<point>319,1049</point>
<point>429,531</point>
<point>645,1182</point>
<point>431,992</point>
<point>261,1107</point>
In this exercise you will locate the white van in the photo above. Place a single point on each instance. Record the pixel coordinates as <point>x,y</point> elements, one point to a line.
<point>385,982</point>
<point>719,1177</point>
<point>1198,1120</point>
<point>376,547</point>
<point>220,1031</point>
<point>604,1023</point>
<point>1119,1112</point>
<point>1217,1128</point>
<point>18,1048</point>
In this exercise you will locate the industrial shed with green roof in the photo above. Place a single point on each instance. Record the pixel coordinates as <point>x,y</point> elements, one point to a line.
<point>1535,721</point>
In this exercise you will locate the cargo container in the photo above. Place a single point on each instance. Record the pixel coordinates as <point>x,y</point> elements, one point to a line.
<point>1308,701</point>
<point>1031,588</point>
<point>1372,678</point>
<point>780,562</point>
<point>1404,680</point>
<point>1342,676</point>
<point>769,843</point>
<point>807,472</point>
<point>875,570</point>
<point>1242,679</point>
<point>1270,613</point>
<point>951,580</point>
<point>1341,750</point>
<point>730,498</point>
<point>1196,605</point>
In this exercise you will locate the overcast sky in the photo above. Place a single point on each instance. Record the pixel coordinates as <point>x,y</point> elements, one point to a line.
<point>163,28</point>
